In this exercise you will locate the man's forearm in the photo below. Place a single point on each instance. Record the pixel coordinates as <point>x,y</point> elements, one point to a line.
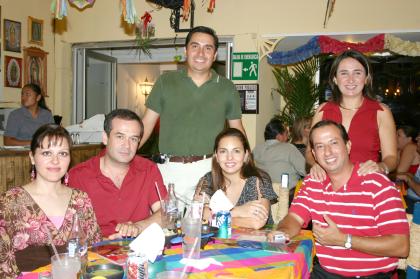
<point>290,225</point>
<point>154,218</point>
<point>387,246</point>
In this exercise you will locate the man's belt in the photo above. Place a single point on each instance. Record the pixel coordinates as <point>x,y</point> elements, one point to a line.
<point>188,159</point>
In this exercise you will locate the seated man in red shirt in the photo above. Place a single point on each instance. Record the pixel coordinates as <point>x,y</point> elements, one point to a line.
<point>359,224</point>
<point>120,184</point>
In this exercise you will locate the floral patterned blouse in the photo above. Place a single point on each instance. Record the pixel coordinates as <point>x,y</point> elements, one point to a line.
<point>23,224</point>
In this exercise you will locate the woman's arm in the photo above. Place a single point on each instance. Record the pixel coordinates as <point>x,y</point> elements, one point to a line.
<point>91,227</point>
<point>408,154</point>
<point>409,179</point>
<point>253,214</point>
<point>13,141</point>
<point>8,266</point>
<point>388,138</point>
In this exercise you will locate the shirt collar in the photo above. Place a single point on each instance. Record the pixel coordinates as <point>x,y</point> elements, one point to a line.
<point>214,76</point>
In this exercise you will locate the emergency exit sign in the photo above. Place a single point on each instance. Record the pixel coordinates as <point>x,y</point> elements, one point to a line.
<point>245,66</point>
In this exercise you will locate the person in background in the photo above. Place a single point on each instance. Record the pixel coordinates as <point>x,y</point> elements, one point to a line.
<point>277,156</point>
<point>359,224</point>
<point>300,133</point>
<point>413,183</point>
<point>193,106</point>
<point>409,159</point>
<point>233,171</point>
<point>23,122</point>
<point>370,124</point>
<point>121,185</point>
<point>33,213</point>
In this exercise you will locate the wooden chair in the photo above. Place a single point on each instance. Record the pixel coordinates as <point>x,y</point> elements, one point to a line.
<point>412,263</point>
<point>279,210</point>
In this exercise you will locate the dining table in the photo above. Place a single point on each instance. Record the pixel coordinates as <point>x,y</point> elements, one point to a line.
<point>243,255</point>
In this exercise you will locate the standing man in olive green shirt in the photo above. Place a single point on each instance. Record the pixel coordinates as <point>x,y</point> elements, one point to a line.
<point>193,105</point>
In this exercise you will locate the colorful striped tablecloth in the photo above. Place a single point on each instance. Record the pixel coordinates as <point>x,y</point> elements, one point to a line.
<point>237,262</point>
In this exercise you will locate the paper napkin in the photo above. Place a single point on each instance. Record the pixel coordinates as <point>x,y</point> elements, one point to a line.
<point>219,202</point>
<point>149,243</point>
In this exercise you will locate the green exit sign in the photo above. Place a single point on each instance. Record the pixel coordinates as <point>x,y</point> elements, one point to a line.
<point>245,66</point>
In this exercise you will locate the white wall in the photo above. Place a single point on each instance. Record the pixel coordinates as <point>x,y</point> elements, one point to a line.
<point>129,93</point>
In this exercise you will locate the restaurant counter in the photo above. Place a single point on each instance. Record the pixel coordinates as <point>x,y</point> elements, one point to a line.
<point>15,166</point>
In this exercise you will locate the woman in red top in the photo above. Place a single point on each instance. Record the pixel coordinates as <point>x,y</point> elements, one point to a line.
<point>370,124</point>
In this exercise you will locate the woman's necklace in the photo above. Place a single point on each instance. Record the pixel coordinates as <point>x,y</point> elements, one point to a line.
<point>353,109</point>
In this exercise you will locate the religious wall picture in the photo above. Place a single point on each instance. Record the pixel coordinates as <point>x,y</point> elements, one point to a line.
<point>35,30</point>
<point>12,35</point>
<point>12,71</point>
<point>35,67</point>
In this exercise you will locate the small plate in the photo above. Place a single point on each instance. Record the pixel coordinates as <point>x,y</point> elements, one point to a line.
<point>109,271</point>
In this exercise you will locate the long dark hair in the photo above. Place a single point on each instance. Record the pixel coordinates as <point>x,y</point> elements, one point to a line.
<point>409,131</point>
<point>248,169</point>
<point>367,89</point>
<point>35,88</point>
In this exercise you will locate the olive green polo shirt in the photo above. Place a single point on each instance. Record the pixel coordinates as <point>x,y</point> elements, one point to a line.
<point>192,116</point>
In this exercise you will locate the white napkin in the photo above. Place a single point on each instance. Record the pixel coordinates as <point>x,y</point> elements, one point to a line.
<point>219,202</point>
<point>95,123</point>
<point>149,243</point>
<point>200,263</point>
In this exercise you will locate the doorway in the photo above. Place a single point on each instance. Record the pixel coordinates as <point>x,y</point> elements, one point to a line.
<point>111,75</point>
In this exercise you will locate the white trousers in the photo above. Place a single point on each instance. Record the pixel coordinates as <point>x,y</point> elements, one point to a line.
<point>185,177</point>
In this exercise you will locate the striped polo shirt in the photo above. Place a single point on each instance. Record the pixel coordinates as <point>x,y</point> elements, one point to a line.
<point>365,206</point>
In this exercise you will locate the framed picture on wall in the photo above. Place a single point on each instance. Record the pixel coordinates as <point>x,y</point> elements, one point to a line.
<point>12,72</point>
<point>35,30</point>
<point>12,35</point>
<point>35,67</point>
<point>249,96</point>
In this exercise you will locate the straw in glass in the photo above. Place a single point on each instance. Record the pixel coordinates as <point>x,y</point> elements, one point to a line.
<point>157,189</point>
<point>184,270</point>
<point>54,248</point>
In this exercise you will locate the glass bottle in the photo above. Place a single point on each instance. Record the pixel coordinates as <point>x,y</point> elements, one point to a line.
<point>171,207</point>
<point>77,244</point>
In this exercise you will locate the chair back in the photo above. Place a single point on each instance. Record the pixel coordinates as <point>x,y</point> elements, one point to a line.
<point>279,210</point>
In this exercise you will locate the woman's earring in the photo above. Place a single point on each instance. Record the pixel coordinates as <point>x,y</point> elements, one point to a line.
<point>33,172</point>
<point>66,179</point>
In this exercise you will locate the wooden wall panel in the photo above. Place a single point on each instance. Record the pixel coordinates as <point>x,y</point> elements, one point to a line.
<point>15,166</point>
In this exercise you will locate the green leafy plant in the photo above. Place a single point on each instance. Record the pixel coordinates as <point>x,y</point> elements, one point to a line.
<point>143,44</point>
<point>296,84</point>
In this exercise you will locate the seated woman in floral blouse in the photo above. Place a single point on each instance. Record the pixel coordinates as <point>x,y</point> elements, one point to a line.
<point>43,207</point>
<point>247,187</point>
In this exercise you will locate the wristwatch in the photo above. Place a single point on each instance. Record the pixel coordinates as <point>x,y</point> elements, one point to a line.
<point>347,244</point>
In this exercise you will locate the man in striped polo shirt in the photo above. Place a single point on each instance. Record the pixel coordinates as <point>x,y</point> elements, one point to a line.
<point>359,223</point>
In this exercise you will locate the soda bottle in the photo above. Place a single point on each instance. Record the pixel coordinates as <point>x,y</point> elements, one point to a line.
<point>171,207</point>
<point>77,244</point>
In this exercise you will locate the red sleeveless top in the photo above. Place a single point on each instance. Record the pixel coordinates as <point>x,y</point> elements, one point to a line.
<point>363,130</point>
<point>413,169</point>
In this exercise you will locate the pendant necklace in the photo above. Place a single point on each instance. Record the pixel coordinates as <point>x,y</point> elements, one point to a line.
<point>352,109</point>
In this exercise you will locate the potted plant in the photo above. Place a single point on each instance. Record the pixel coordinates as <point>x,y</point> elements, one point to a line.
<point>297,86</point>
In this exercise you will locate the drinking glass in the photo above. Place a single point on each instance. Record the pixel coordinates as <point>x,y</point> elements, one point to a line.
<point>191,241</point>
<point>65,268</point>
